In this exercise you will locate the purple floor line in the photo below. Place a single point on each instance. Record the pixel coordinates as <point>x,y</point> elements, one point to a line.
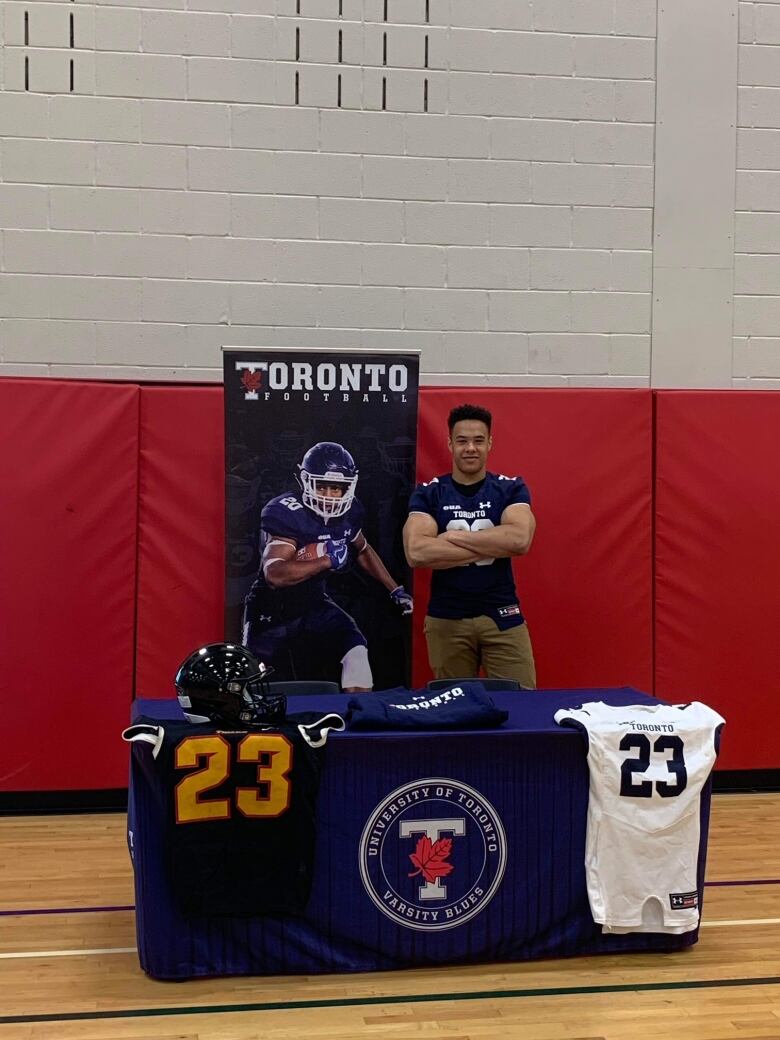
<point>64,910</point>
<point>760,881</point>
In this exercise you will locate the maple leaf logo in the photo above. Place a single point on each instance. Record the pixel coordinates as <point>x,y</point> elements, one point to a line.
<point>430,858</point>
<point>251,380</point>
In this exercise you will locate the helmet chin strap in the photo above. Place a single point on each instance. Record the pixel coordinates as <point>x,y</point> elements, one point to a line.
<point>197,720</point>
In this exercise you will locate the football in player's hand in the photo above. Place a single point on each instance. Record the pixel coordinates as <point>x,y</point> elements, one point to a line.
<point>312,551</point>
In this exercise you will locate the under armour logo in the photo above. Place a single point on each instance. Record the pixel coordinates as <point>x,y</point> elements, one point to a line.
<point>684,900</point>
<point>484,505</point>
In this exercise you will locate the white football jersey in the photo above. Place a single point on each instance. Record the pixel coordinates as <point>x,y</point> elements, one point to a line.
<point>648,764</point>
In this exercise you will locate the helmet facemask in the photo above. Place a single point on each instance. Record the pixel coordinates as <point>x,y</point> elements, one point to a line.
<point>258,705</point>
<point>327,506</point>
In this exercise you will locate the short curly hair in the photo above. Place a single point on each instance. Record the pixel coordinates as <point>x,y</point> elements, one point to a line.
<point>469,411</point>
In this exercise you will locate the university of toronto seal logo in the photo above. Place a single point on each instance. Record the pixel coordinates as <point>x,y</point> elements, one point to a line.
<point>432,854</point>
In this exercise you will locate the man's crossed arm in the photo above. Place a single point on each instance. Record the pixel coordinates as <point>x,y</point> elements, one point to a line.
<point>425,547</point>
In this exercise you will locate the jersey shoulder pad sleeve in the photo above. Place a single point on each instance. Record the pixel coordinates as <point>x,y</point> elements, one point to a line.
<point>577,718</point>
<point>514,489</point>
<point>284,516</point>
<point>357,515</point>
<point>423,498</point>
<point>145,731</point>
<point>708,713</point>
<point>578,715</point>
<point>314,728</point>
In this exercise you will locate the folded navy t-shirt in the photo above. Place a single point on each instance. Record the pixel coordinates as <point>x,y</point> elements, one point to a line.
<point>464,705</point>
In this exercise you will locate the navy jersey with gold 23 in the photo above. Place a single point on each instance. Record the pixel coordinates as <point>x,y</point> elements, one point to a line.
<point>480,588</point>
<point>240,810</point>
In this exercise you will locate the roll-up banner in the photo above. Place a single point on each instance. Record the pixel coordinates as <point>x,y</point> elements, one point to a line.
<point>320,452</point>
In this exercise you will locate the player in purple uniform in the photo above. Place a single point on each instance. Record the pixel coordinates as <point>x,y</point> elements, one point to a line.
<point>305,536</point>
<point>466,526</point>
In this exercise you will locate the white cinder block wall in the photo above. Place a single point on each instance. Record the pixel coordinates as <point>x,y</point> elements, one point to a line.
<point>473,178</point>
<point>757,228</point>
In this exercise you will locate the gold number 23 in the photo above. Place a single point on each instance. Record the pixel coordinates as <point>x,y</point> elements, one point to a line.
<point>273,754</point>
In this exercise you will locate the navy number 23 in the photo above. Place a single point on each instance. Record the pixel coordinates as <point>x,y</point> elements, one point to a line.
<point>644,789</point>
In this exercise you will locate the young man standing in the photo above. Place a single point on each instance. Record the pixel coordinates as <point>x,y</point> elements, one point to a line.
<point>466,526</point>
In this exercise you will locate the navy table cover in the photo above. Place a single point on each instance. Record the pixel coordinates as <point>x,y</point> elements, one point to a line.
<point>432,848</point>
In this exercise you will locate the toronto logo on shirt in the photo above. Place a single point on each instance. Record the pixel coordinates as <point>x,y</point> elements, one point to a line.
<point>432,854</point>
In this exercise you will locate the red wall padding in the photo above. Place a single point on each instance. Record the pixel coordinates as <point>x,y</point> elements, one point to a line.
<point>718,562</point>
<point>585,585</point>
<point>181,530</point>
<point>587,596</point>
<point>68,501</point>
<point>95,473</point>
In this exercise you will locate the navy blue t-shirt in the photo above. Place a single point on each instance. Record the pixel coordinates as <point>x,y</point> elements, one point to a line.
<point>474,589</point>
<point>465,705</point>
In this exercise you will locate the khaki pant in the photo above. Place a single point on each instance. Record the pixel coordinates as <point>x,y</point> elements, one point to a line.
<point>458,648</point>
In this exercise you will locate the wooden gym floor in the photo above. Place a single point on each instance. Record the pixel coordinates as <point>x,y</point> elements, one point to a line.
<point>68,966</point>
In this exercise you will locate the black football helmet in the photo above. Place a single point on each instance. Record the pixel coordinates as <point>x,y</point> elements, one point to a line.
<point>224,683</point>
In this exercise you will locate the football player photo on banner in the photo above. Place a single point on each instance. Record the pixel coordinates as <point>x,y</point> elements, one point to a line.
<point>320,461</point>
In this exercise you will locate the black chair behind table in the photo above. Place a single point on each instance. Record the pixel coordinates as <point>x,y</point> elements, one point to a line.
<point>489,684</point>
<point>301,687</point>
